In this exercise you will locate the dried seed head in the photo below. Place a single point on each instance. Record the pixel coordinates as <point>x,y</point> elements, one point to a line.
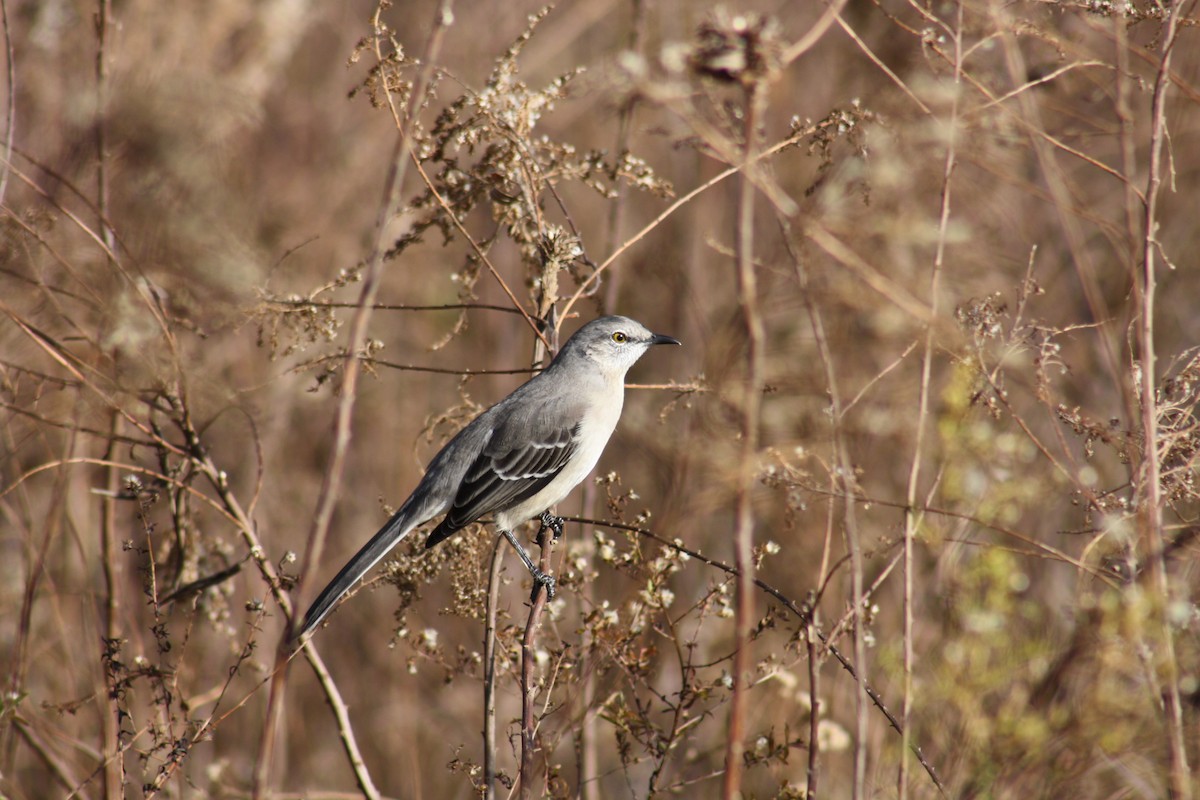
<point>736,48</point>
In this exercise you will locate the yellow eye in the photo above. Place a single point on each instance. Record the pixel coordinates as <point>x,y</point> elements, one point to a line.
<point>620,338</point>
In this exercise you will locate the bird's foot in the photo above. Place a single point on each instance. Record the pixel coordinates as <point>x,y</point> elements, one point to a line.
<point>540,580</point>
<point>554,524</point>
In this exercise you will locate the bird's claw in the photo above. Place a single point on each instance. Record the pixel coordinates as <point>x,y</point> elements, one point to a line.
<point>554,524</point>
<point>540,580</point>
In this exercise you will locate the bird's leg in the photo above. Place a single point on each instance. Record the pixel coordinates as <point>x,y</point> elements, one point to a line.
<point>553,523</point>
<point>540,578</point>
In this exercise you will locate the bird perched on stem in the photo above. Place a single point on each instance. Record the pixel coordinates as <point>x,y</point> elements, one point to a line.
<point>520,457</point>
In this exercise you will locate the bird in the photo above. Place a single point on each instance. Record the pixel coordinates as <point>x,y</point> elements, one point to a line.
<point>517,459</point>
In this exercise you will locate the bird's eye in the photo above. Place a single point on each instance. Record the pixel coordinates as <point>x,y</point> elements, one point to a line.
<point>620,338</point>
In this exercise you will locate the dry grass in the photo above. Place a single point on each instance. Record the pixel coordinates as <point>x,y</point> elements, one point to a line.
<point>934,269</point>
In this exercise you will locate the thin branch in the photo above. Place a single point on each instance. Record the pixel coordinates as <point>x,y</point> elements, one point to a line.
<point>749,422</point>
<point>10,117</point>
<point>1151,506</point>
<point>279,301</point>
<point>533,773</point>
<point>911,518</point>
<point>877,61</point>
<point>114,770</point>
<point>489,669</point>
<point>813,35</point>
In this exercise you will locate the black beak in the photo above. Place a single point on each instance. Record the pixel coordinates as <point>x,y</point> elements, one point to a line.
<point>660,338</point>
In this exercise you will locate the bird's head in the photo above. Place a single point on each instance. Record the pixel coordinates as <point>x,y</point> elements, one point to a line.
<point>614,343</point>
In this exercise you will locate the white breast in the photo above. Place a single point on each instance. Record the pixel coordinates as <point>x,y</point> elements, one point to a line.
<point>598,426</point>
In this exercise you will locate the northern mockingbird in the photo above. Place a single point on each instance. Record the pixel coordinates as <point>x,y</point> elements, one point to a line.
<point>518,458</point>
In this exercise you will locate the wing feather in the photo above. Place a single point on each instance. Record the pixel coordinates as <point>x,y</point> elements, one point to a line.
<point>508,472</point>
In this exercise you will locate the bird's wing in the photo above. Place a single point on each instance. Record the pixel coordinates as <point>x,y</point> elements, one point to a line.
<point>517,463</point>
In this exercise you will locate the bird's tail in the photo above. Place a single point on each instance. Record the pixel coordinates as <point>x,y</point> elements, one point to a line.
<point>396,528</point>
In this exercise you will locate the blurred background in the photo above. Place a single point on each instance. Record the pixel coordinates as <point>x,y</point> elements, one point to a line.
<point>948,237</point>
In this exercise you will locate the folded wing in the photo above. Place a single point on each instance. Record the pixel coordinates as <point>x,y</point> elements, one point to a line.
<point>510,470</point>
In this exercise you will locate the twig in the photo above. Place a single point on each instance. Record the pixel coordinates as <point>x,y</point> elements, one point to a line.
<point>911,518</point>
<point>1150,509</point>
<point>103,15</point>
<point>842,476</point>
<point>114,765</point>
<point>489,670</point>
<point>751,405</point>
<point>531,786</point>
<point>616,209</point>
<point>877,61</point>
<point>805,43</point>
<point>10,118</point>
<point>380,362</point>
<point>1030,118</point>
<point>278,301</point>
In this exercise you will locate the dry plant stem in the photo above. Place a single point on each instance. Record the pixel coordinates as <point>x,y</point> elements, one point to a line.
<point>616,209</point>
<point>849,31</point>
<point>813,35</point>
<point>393,306</point>
<point>887,288</point>
<point>743,544</point>
<point>331,483</point>
<point>589,756</point>
<point>1151,502</point>
<point>860,658</point>
<point>489,669</point>
<point>533,776</point>
<point>342,714</point>
<point>37,568</point>
<point>103,15</point>
<point>814,718</point>
<point>114,765</point>
<point>912,519</point>
<point>843,475</point>
<point>528,786</point>
<point>48,757</point>
<point>840,476</point>
<point>10,117</point>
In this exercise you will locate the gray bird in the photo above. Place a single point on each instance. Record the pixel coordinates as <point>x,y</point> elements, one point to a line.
<point>518,458</point>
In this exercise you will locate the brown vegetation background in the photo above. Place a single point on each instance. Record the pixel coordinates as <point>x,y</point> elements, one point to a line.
<point>953,413</point>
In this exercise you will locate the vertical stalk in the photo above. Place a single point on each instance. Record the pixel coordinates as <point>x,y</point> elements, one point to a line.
<point>532,787</point>
<point>103,14</point>
<point>589,755</point>
<point>840,483</point>
<point>1150,507</point>
<point>747,287</point>
<point>489,671</point>
<point>616,210</point>
<point>533,779</point>
<point>10,117</point>
<point>114,759</point>
<point>912,518</point>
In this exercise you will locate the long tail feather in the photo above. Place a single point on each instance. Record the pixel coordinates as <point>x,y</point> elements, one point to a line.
<point>371,554</point>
